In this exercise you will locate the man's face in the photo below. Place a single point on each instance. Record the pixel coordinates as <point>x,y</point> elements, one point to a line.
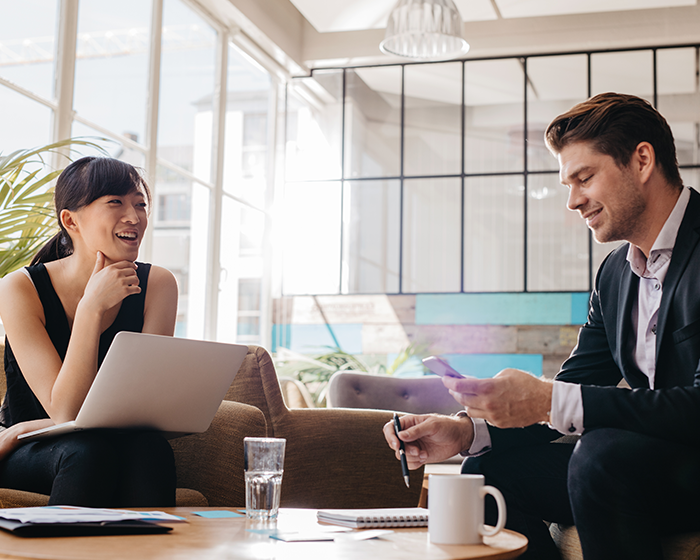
<point>608,197</point>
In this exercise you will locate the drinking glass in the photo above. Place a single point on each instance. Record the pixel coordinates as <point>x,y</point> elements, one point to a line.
<point>264,465</point>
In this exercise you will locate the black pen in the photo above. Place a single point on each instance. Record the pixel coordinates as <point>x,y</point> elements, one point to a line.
<point>402,449</point>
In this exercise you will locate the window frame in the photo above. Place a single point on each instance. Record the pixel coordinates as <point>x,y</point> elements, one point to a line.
<point>64,116</point>
<point>525,173</point>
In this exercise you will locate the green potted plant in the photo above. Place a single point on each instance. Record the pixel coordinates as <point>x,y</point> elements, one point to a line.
<point>27,219</point>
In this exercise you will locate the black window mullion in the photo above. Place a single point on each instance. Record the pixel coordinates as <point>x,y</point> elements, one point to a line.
<point>347,182</point>
<point>525,177</point>
<point>401,177</point>
<point>462,194</point>
<point>342,182</point>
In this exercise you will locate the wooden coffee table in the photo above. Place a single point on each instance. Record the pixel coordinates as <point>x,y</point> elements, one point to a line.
<point>230,538</point>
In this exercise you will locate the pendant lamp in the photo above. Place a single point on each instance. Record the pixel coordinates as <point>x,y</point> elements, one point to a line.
<point>424,30</point>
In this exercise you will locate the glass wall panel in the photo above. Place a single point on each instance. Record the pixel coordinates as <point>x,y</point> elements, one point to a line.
<point>493,234</point>
<point>107,146</point>
<point>241,269</point>
<point>560,252</point>
<point>432,115</point>
<point>556,83</point>
<point>246,143</point>
<point>186,89</point>
<point>679,100</point>
<point>314,127</point>
<point>431,235</point>
<point>310,238</point>
<point>373,122</point>
<point>493,116</point>
<point>172,205</point>
<point>252,228</point>
<point>623,72</point>
<point>557,239</point>
<point>28,43</point>
<point>25,123</point>
<point>173,245</point>
<point>371,236</point>
<point>111,68</point>
<point>193,265</point>
<point>249,307</point>
<point>185,140</point>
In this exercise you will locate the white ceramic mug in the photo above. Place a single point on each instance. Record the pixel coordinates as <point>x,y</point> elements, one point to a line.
<point>456,504</point>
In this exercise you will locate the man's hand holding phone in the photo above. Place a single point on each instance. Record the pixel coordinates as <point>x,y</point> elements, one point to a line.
<point>511,399</point>
<point>440,367</point>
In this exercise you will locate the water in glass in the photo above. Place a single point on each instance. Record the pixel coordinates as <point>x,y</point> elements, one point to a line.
<point>262,497</point>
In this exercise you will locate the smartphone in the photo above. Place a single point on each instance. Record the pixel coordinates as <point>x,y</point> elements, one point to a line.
<point>441,367</point>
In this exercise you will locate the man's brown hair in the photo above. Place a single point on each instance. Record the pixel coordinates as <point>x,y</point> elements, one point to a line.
<point>615,124</point>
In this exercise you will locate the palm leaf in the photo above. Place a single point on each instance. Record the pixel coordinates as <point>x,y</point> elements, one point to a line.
<point>27,218</point>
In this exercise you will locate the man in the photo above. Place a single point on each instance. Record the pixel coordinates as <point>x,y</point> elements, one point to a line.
<point>634,475</point>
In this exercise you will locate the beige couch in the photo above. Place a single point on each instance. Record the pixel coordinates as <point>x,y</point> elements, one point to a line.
<point>207,464</point>
<point>335,458</point>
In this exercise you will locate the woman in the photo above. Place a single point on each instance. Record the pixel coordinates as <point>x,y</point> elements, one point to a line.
<point>60,316</point>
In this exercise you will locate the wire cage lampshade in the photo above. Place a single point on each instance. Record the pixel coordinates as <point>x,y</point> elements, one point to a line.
<point>424,30</point>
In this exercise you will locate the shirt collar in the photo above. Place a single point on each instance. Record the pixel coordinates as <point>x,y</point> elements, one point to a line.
<point>664,241</point>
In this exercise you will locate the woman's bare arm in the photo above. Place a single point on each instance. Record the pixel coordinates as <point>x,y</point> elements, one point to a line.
<point>8,437</point>
<point>61,387</point>
<point>160,308</point>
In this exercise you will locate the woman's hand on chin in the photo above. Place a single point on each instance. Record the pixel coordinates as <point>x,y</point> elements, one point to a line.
<point>8,437</point>
<point>110,284</point>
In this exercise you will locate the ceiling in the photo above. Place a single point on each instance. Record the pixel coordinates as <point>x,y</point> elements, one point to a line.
<point>298,35</point>
<point>328,16</point>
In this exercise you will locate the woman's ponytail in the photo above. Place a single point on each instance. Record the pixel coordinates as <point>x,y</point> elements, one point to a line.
<point>58,247</point>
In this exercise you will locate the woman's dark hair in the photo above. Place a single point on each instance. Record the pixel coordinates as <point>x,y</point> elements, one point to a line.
<point>82,182</point>
<point>615,124</point>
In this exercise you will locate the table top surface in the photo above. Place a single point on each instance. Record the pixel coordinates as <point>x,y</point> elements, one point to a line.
<point>241,538</point>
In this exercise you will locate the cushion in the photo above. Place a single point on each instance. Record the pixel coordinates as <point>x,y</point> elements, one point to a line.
<point>679,547</point>
<point>185,497</point>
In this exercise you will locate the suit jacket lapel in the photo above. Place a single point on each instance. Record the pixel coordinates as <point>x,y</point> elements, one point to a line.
<point>687,239</point>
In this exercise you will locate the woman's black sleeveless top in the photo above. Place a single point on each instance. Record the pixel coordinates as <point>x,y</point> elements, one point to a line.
<point>20,404</point>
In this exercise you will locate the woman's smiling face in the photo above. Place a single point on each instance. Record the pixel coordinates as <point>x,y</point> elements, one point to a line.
<point>112,224</point>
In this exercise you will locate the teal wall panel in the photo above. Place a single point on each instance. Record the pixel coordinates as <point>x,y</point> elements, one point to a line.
<point>476,365</point>
<point>500,309</point>
<point>579,307</point>
<point>488,365</point>
<point>315,339</point>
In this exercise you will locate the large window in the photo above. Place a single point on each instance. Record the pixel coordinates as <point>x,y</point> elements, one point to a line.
<point>434,177</point>
<point>159,84</point>
<point>27,71</point>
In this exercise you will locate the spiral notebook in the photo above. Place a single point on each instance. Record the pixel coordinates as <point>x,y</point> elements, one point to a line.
<point>380,517</point>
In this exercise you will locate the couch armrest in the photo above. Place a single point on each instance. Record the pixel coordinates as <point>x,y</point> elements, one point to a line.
<point>338,458</point>
<point>212,462</point>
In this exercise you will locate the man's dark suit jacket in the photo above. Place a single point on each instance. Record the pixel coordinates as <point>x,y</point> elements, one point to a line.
<point>604,353</point>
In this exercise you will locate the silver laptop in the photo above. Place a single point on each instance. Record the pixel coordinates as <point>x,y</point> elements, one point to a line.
<point>146,381</point>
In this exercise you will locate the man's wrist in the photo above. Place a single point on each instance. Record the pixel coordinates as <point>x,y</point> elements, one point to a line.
<point>546,405</point>
<point>567,408</point>
<point>467,430</point>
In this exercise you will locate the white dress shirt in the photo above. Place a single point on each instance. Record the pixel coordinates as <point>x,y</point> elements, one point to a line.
<point>566,414</point>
